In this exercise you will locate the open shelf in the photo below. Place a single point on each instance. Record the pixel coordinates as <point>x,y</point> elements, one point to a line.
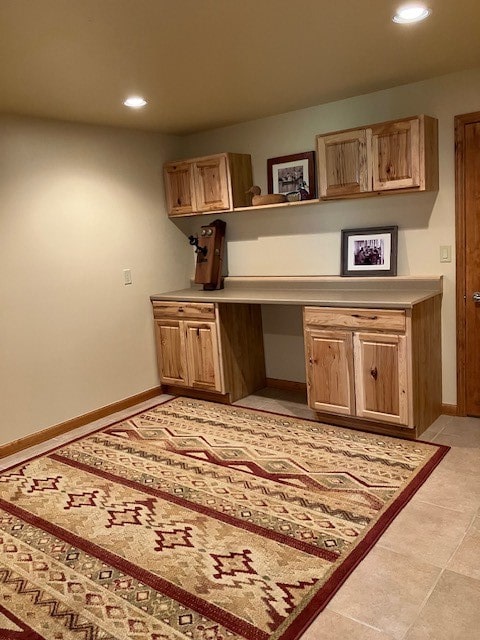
<point>279,205</point>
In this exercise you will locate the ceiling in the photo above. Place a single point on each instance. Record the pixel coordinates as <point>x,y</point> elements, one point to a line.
<point>207,63</point>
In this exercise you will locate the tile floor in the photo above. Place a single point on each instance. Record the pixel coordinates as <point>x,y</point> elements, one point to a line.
<point>421,581</point>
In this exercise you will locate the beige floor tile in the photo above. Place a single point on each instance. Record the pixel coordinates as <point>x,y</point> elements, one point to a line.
<point>457,426</point>
<point>290,395</point>
<point>452,489</point>
<point>466,559</point>
<point>254,402</point>
<point>438,426</point>
<point>386,591</point>
<point>463,459</point>
<point>465,439</point>
<point>11,461</point>
<point>293,409</point>
<point>429,436</point>
<point>275,405</point>
<point>427,532</point>
<point>332,626</point>
<point>451,613</point>
<point>31,452</point>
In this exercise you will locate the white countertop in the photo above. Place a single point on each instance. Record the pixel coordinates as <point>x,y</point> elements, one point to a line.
<point>401,292</point>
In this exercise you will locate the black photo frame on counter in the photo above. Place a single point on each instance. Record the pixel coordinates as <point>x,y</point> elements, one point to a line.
<point>369,252</point>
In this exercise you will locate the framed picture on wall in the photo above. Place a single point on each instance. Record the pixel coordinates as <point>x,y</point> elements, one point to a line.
<point>293,175</point>
<point>369,252</point>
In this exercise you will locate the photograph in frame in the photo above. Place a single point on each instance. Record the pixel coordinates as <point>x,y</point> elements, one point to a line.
<point>293,175</point>
<point>369,252</point>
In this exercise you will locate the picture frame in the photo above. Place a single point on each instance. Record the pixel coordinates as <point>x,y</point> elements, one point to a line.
<point>293,175</point>
<point>369,252</point>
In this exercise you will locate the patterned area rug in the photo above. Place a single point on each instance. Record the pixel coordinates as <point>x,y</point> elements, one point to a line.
<point>195,521</point>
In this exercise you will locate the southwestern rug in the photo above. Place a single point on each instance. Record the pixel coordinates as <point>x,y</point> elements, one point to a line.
<point>195,521</point>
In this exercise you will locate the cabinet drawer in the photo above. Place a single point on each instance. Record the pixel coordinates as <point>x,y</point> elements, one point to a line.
<point>381,319</point>
<point>188,310</point>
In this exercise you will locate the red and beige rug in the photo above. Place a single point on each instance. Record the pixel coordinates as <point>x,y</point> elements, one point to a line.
<point>195,521</point>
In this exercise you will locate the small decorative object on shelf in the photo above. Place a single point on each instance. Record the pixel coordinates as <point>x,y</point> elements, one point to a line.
<point>293,196</point>
<point>293,175</point>
<point>369,252</point>
<point>270,198</point>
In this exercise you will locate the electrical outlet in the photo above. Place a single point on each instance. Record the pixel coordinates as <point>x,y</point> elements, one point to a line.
<point>127,276</point>
<point>446,253</point>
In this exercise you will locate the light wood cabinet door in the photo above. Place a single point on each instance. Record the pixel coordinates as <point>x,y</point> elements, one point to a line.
<point>203,357</point>
<point>381,377</point>
<point>396,155</point>
<point>180,188</point>
<point>170,339</point>
<point>344,163</point>
<point>212,184</point>
<point>330,383</point>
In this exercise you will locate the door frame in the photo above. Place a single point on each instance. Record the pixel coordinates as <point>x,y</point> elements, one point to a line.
<point>461,265</point>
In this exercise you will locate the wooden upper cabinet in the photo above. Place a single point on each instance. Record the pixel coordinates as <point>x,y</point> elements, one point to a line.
<point>387,157</point>
<point>344,163</point>
<point>180,188</point>
<point>396,155</point>
<point>212,184</point>
<point>205,185</point>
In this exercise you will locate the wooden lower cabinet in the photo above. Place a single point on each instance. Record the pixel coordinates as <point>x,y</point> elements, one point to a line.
<point>203,356</point>
<point>330,374</point>
<point>360,374</point>
<point>210,348</point>
<point>381,377</point>
<point>170,339</point>
<point>375,368</point>
<point>188,354</point>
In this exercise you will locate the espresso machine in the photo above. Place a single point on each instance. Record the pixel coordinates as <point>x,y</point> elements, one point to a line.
<point>209,247</point>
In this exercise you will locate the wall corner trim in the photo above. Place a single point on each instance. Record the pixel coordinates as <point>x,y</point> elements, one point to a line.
<point>450,410</point>
<point>63,427</point>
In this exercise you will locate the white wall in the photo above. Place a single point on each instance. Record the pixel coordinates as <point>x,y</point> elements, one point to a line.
<point>78,204</point>
<point>306,240</point>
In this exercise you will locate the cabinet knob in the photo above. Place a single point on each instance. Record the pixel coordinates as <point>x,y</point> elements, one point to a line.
<point>374,373</point>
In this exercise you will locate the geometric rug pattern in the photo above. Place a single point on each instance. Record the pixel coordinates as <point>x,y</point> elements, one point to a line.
<point>195,520</point>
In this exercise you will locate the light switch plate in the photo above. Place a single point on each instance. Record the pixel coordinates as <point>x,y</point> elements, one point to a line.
<point>127,276</point>
<point>446,253</point>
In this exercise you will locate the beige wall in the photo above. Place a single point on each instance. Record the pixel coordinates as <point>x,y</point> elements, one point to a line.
<point>79,204</point>
<point>306,240</point>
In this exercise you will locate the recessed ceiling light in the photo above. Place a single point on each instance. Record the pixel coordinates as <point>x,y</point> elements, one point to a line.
<point>135,102</point>
<point>411,13</point>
